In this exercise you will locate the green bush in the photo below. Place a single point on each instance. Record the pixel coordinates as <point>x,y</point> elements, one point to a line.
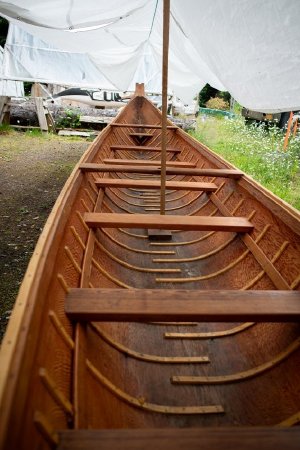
<point>217,103</point>
<point>70,119</point>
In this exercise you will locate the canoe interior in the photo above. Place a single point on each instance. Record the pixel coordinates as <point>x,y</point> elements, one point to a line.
<point>61,374</point>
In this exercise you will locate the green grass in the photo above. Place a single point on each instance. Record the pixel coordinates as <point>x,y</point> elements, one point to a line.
<point>256,150</point>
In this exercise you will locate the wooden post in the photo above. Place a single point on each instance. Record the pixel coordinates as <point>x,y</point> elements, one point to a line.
<point>4,109</point>
<point>166,25</point>
<point>295,127</point>
<point>288,131</point>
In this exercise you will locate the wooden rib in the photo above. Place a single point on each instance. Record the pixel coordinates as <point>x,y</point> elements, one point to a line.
<point>44,427</point>
<point>61,329</point>
<point>53,390</point>
<point>131,266</point>
<point>194,241</point>
<point>151,199</point>
<point>175,208</point>
<point>109,276</point>
<point>85,205</point>
<point>195,258</point>
<point>210,275</point>
<point>78,238</point>
<point>73,260</point>
<point>295,282</point>
<point>136,250</point>
<point>239,376</point>
<point>155,184</point>
<point>258,254</point>
<point>239,224</point>
<point>211,334</point>
<point>78,213</point>
<point>142,404</point>
<point>139,236</point>
<point>63,283</point>
<point>146,162</point>
<point>290,421</point>
<point>144,356</point>
<point>262,273</point>
<point>90,197</point>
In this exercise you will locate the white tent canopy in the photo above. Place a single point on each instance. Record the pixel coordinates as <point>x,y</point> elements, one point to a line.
<point>10,88</point>
<point>248,47</point>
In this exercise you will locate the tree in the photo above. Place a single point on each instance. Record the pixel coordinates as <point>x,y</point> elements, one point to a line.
<point>3,30</point>
<point>209,92</point>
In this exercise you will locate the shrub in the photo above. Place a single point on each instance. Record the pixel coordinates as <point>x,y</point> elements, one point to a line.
<point>70,119</point>
<point>217,103</point>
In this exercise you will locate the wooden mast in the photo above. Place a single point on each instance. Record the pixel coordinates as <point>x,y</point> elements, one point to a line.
<point>166,25</point>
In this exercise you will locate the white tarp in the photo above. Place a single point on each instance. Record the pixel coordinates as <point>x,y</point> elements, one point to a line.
<point>248,47</point>
<point>10,88</point>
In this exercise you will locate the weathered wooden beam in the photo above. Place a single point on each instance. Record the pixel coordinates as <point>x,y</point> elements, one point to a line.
<point>155,184</point>
<point>202,223</point>
<point>140,305</point>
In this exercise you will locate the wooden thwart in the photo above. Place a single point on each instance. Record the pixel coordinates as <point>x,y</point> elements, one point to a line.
<point>147,162</point>
<point>138,305</point>
<point>155,184</point>
<point>108,220</point>
<point>142,125</point>
<point>242,438</point>
<point>144,148</point>
<point>224,173</point>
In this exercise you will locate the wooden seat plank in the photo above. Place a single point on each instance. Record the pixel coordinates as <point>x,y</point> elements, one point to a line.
<point>139,305</point>
<point>140,135</point>
<point>141,125</point>
<point>142,148</point>
<point>224,173</point>
<point>217,438</point>
<point>155,184</point>
<point>147,162</point>
<point>166,222</point>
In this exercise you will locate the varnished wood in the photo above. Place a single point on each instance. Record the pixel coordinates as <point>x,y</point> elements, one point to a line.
<point>146,162</point>
<point>171,305</point>
<point>155,184</point>
<point>57,373</point>
<point>240,438</point>
<point>142,125</point>
<point>143,148</point>
<point>224,173</point>
<point>238,224</point>
<point>164,120</point>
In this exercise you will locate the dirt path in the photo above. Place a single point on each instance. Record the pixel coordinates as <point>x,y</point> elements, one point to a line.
<point>33,172</point>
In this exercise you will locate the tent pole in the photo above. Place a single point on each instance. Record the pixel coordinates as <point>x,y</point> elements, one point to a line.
<point>166,25</point>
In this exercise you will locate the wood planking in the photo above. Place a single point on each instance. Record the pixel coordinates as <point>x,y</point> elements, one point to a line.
<point>155,184</point>
<point>224,173</point>
<point>147,162</point>
<point>171,305</point>
<point>242,438</point>
<point>110,220</point>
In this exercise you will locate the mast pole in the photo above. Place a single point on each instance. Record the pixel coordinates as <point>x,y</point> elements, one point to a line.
<point>166,26</point>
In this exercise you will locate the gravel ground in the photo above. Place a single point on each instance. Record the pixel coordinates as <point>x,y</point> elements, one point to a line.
<point>34,169</point>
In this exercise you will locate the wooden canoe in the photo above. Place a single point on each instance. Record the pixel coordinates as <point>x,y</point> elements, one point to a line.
<point>134,329</point>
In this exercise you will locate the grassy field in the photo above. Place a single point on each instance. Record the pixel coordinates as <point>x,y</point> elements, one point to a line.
<point>256,150</point>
